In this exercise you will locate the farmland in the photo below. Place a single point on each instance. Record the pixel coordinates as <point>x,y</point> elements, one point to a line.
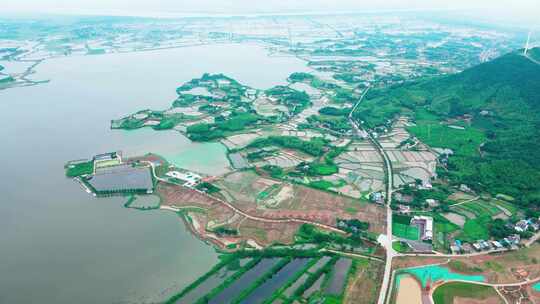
<point>299,178</point>
<point>326,127</point>
<point>449,292</point>
<point>464,142</point>
<point>466,113</point>
<point>81,168</point>
<point>518,265</point>
<point>275,275</point>
<point>277,199</point>
<point>475,216</point>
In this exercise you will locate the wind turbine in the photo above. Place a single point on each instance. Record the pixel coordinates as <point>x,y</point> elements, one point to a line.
<point>527,43</point>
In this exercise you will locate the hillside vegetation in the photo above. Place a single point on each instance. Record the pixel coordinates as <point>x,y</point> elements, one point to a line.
<point>534,53</point>
<point>496,108</point>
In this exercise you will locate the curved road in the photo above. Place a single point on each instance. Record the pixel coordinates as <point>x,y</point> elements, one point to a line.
<point>495,286</point>
<point>247,215</point>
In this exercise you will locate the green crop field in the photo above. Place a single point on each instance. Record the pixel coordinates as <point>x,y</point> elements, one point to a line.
<point>406,231</point>
<point>481,208</point>
<point>446,293</point>
<point>267,192</point>
<point>400,247</point>
<point>444,225</point>
<point>508,206</point>
<point>323,169</point>
<point>401,219</point>
<point>462,142</point>
<point>321,184</point>
<point>475,229</point>
<point>80,169</point>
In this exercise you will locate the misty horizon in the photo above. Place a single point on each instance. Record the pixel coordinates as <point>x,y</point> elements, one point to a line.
<point>507,12</point>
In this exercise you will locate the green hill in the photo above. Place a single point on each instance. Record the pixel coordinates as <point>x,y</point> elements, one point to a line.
<point>499,148</point>
<point>534,53</point>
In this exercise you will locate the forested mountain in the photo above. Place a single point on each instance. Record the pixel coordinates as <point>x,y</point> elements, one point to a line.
<point>497,104</point>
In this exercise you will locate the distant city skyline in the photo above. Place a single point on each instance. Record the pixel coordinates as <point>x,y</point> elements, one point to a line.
<point>523,11</point>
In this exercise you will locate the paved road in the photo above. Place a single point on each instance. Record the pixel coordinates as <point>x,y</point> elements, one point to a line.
<point>390,253</point>
<point>467,201</point>
<point>466,255</point>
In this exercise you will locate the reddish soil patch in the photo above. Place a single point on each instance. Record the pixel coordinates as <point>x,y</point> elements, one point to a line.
<point>241,190</point>
<point>405,262</point>
<point>263,233</point>
<point>149,157</point>
<point>268,233</point>
<point>178,196</point>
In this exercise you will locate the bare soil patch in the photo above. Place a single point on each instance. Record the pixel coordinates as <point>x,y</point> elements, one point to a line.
<point>364,287</point>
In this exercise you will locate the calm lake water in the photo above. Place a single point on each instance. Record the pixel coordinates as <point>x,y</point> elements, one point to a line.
<point>57,243</point>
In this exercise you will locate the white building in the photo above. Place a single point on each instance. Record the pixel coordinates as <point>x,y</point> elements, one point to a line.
<point>426,226</point>
<point>191,179</point>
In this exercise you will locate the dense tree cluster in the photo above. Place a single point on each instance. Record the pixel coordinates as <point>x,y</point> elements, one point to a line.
<point>502,99</point>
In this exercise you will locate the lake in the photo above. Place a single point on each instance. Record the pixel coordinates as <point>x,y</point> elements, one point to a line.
<point>61,245</point>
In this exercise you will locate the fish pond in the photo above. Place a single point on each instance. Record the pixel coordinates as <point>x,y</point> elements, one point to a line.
<point>266,290</point>
<point>338,276</point>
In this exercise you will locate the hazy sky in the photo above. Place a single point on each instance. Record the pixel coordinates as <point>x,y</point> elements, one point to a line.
<point>510,9</point>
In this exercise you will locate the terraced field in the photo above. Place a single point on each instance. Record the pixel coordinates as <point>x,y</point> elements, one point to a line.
<point>476,215</point>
